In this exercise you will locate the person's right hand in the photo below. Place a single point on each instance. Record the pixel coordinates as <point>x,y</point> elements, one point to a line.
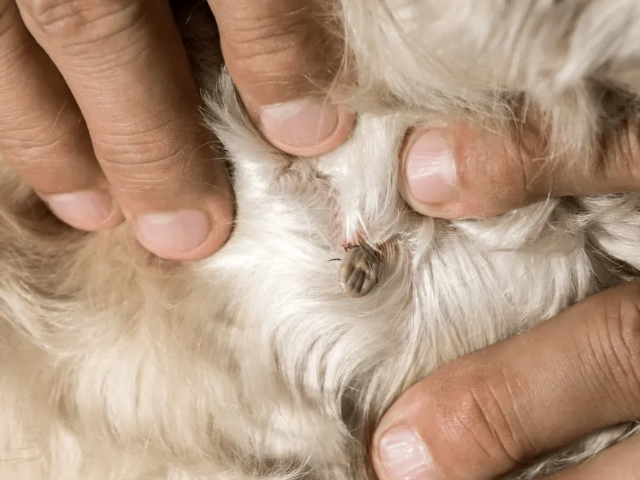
<point>99,109</point>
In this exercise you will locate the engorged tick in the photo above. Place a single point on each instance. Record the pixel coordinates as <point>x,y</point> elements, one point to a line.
<point>359,270</point>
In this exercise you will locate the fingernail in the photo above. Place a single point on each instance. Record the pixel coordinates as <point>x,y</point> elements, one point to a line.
<point>83,210</point>
<point>303,123</point>
<point>404,456</point>
<point>431,170</point>
<point>169,234</point>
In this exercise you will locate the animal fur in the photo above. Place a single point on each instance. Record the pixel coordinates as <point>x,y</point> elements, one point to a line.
<point>253,364</point>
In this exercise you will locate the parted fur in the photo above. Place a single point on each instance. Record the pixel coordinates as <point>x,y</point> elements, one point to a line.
<point>251,364</point>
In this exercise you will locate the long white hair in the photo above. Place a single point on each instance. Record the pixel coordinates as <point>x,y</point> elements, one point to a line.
<point>253,363</point>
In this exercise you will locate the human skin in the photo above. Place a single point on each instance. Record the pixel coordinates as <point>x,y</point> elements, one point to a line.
<point>100,110</point>
<point>99,116</point>
<point>489,412</point>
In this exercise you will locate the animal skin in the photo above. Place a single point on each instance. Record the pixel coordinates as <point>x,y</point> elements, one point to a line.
<point>254,363</point>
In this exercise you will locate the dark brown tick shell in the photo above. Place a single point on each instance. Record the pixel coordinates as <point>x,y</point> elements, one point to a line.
<point>359,270</point>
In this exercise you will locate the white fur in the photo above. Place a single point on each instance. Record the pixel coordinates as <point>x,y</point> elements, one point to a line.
<point>252,364</point>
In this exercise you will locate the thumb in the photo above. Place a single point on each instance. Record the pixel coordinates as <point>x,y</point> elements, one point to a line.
<point>466,171</point>
<point>283,59</point>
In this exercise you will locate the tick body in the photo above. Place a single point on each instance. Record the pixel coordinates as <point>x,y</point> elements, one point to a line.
<point>360,270</point>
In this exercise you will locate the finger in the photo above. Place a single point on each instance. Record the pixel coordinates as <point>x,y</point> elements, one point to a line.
<point>620,462</point>
<point>466,171</point>
<point>42,134</point>
<point>125,64</point>
<point>497,409</point>
<point>283,60</point>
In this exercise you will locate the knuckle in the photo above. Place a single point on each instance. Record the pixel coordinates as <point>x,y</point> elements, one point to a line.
<point>478,419</point>
<point>149,149</point>
<point>155,154</point>
<point>615,336</point>
<point>133,169</point>
<point>622,315</point>
<point>257,64</point>
<point>254,46</point>
<point>74,21</point>
<point>35,151</point>
<point>138,181</point>
<point>266,25</point>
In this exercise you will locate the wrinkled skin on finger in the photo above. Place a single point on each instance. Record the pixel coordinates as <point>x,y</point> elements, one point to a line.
<point>497,409</point>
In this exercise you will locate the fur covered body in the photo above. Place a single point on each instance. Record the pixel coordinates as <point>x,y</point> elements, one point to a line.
<point>253,363</point>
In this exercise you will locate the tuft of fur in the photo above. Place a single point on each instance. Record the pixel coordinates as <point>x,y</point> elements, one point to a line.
<point>253,364</point>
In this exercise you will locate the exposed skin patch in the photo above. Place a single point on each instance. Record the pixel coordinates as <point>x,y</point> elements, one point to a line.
<point>360,270</point>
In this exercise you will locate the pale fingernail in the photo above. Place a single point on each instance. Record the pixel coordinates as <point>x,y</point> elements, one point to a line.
<point>83,210</point>
<point>404,456</point>
<point>303,123</point>
<point>431,170</point>
<point>170,234</point>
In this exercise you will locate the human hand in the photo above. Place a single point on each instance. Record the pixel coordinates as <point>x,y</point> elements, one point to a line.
<point>100,110</point>
<point>466,171</point>
<point>497,409</point>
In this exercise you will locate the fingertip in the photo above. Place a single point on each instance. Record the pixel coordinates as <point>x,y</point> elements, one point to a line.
<point>306,127</point>
<point>399,451</point>
<point>428,172</point>
<point>187,234</point>
<point>462,171</point>
<point>88,210</point>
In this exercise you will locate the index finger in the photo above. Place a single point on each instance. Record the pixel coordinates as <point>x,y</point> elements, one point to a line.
<point>127,68</point>
<point>283,58</point>
<point>492,411</point>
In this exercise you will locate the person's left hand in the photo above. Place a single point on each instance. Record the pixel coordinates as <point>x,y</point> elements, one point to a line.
<point>495,410</point>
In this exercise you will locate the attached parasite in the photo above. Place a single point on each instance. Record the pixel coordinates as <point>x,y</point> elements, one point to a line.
<point>359,270</point>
